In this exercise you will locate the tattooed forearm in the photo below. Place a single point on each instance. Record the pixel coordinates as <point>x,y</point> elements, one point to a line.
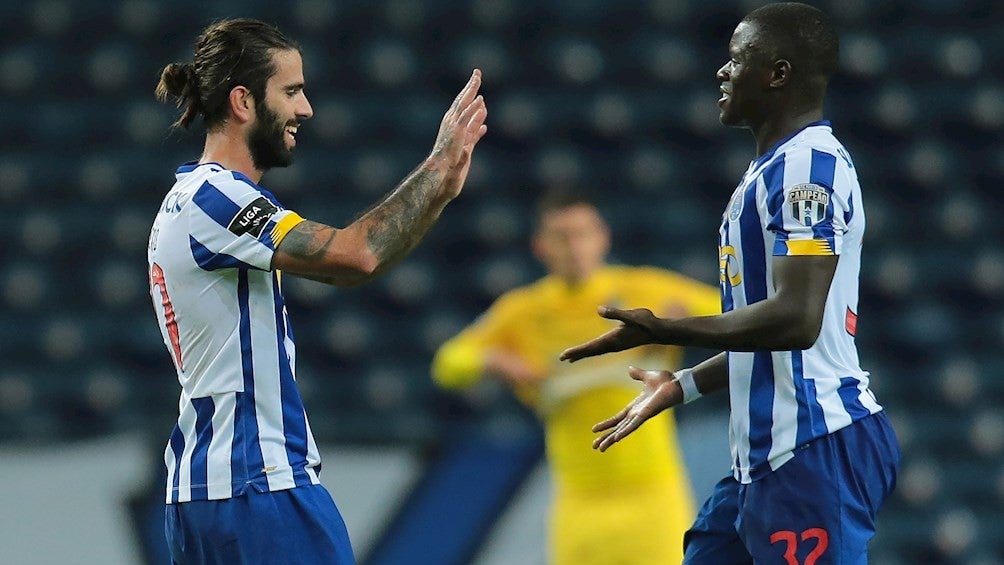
<point>308,241</point>
<point>398,223</point>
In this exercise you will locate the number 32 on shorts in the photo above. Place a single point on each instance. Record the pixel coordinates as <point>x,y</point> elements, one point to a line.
<point>790,538</point>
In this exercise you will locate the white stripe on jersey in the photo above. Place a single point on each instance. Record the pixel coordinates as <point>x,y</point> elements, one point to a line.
<point>241,420</point>
<point>800,198</point>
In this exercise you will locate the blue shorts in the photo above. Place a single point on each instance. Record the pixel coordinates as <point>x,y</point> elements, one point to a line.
<point>817,509</point>
<point>298,525</point>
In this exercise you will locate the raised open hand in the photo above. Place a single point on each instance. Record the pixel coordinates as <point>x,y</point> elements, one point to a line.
<point>462,127</point>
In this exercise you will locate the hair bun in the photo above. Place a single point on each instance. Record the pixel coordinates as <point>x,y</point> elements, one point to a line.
<point>179,79</point>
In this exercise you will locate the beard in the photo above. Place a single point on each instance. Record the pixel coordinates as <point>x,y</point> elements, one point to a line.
<point>267,140</point>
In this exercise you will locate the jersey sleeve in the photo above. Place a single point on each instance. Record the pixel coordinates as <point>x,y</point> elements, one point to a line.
<point>233,224</point>
<point>460,362</point>
<point>809,203</point>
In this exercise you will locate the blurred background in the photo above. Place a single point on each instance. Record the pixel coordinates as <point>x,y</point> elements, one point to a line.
<point>614,97</point>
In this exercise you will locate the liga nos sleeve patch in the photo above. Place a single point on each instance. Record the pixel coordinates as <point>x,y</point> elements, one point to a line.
<point>253,218</point>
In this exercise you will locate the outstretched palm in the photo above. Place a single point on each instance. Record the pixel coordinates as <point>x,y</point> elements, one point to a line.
<point>659,393</point>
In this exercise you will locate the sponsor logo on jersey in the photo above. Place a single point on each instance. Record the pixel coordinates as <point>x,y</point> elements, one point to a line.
<point>808,203</point>
<point>253,217</point>
<point>728,266</point>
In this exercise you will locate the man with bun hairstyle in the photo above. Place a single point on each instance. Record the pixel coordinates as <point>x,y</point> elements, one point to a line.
<point>242,464</point>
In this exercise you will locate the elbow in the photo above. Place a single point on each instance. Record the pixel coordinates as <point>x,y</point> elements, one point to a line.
<point>361,269</point>
<point>367,265</point>
<point>805,332</point>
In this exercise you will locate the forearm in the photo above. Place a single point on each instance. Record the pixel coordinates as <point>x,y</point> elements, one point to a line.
<point>712,374</point>
<point>374,242</point>
<point>399,222</point>
<point>770,324</point>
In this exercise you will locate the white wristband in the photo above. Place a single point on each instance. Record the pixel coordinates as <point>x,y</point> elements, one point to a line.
<point>686,379</point>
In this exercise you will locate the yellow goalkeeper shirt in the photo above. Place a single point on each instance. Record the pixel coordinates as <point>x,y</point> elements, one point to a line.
<point>540,320</point>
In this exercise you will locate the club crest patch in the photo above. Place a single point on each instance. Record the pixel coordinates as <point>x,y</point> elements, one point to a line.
<point>253,218</point>
<point>736,208</point>
<point>808,203</point>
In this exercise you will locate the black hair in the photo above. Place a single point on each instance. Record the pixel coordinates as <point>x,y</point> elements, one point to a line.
<point>801,34</point>
<point>228,53</point>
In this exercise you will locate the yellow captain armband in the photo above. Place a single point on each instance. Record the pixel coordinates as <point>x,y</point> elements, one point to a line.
<point>458,365</point>
<point>283,226</point>
<point>808,247</point>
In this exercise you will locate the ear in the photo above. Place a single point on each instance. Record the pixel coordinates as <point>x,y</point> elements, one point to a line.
<point>537,246</point>
<point>780,74</point>
<point>241,104</point>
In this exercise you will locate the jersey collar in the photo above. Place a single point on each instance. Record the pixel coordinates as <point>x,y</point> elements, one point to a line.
<point>192,165</point>
<point>770,154</point>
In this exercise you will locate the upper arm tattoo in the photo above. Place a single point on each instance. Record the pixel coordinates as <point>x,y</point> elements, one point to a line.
<point>309,241</point>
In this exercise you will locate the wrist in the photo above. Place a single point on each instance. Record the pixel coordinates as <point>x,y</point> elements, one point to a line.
<point>685,378</point>
<point>437,163</point>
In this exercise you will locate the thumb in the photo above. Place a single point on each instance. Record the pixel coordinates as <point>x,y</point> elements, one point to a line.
<point>611,313</point>
<point>636,373</point>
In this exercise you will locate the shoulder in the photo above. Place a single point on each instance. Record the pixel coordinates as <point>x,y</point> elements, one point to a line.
<point>645,276</point>
<point>523,296</point>
<point>818,154</point>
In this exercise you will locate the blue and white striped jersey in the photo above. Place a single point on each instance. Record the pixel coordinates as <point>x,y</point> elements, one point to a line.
<point>800,198</point>
<point>223,319</point>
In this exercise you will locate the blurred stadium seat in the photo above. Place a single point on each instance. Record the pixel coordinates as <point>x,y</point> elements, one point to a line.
<point>617,98</point>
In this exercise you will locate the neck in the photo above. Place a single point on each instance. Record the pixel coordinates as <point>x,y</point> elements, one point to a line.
<point>228,148</point>
<point>768,133</point>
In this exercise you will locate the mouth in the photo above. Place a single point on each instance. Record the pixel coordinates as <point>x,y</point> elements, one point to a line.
<point>726,93</point>
<point>290,133</point>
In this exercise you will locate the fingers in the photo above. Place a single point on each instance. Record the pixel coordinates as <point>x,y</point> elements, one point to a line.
<point>467,112</point>
<point>473,117</point>
<point>591,348</point>
<point>469,91</point>
<point>622,430</point>
<point>611,421</point>
<point>573,354</point>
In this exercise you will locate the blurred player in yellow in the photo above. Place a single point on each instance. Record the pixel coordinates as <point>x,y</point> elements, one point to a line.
<point>608,507</point>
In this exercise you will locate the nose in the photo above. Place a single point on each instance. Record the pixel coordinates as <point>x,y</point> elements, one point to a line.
<point>723,73</point>
<point>305,111</point>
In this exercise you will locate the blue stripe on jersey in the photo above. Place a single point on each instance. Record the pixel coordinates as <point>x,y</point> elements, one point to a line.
<point>204,409</point>
<point>209,261</point>
<point>294,422</point>
<point>821,171</point>
<point>802,397</point>
<point>773,179</point>
<point>754,257</point>
<point>761,400</point>
<point>818,418</point>
<point>849,395</point>
<point>178,447</point>
<point>271,197</point>
<point>761,408</point>
<point>246,448</point>
<point>850,209</point>
<point>215,204</point>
